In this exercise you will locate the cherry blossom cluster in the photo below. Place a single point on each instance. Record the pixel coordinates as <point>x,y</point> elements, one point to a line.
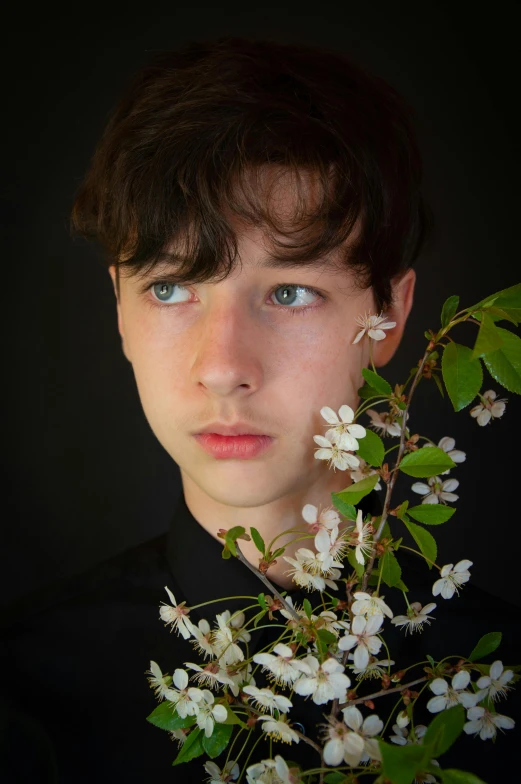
<point>329,653</point>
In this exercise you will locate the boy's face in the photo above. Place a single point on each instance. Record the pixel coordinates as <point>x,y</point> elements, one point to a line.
<point>249,350</point>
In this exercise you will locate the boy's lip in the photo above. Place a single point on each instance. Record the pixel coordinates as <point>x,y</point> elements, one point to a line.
<point>238,429</point>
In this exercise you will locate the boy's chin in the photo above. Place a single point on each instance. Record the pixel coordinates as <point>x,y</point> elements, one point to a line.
<point>240,491</point>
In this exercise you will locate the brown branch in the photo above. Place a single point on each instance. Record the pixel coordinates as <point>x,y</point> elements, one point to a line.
<point>383,693</point>
<point>264,579</point>
<point>394,475</point>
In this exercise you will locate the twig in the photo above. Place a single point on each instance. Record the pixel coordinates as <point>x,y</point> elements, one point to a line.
<point>383,693</point>
<point>391,483</point>
<point>264,579</point>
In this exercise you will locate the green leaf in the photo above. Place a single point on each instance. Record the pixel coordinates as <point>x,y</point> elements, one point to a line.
<point>488,339</point>
<point>401,585</point>
<point>453,776</point>
<point>371,448</point>
<point>449,309</point>
<point>307,608</point>
<point>443,730</point>
<point>359,568</point>
<point>278,552</point>
<point>401,763</point>
<point>232,718</point>
<point>262,601</point>
<point>367,391</point>
<point>487,644</point>
<point>498,314</point>
<point>402,509</point>
<point>191,748</point>
<point>166,718</point>
<point>508,300</point>
<point>462,375</point>
<point>425,541</point>
<point>231,537</point>
<point>377,382</point>
<point>346,510</point>
<point>324,640</point>
<point>218,740</point>
<point>430,461</point>
<point>258,540</point>
<point>504,364</point>
<point>335,778</point>
<point>354,493</point>
<point>431,514</point>
<point>390,569</point>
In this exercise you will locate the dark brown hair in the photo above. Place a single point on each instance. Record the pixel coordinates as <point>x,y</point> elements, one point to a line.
<point>178,155</point>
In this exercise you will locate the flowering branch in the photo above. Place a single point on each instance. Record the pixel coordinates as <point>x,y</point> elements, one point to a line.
<point>264,579</point>
<point>320,644</point>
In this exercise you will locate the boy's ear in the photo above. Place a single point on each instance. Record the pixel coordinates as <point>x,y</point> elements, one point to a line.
<point>403,295</point>
<point>113,276</point>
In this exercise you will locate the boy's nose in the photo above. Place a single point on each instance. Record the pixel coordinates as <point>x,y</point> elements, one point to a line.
<point>227,354</point>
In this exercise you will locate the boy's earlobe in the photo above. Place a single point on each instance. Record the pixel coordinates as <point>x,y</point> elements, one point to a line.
<point>403,297</point>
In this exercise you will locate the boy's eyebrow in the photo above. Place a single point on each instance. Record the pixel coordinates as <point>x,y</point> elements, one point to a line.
<point>176,260</point>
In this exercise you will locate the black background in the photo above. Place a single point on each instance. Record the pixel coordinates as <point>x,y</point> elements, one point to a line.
<point>84,476</point>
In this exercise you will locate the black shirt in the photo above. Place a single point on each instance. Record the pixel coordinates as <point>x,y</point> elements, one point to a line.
<point>75,697</point>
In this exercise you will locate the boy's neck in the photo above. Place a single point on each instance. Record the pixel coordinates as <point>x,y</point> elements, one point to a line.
<point>270,520</point>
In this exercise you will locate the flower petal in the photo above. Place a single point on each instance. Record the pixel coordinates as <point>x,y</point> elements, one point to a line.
<point>329,415</point>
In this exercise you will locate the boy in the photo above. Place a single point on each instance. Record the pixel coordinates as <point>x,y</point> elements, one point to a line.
<point>254,199</point>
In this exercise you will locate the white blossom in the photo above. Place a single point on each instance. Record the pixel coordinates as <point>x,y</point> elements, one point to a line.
<point>402,738</point>
<point>374,326</point>
<point>279,729</point>
<point>267,701</point>
<point>209,713</point>
<point>362,472</point>
<point>202,635</point>
<point>321,524</point>
<point>177,615</point>
<point>447,444</point>
<point>495,684</point>
<point>489,408</point>
<point>343,431</point>
<point>301,575</point>
<point>486,723</point>
<point>230,772</point>
<point>384,423</point>
<point>363,636</point>
<point>415,618</point>
<point>240,674</point>
<point>337,455</point>
<point>326,619</point>
<point>325,682</point>
<point>363,534</point>
<point>448,696</point>
<point>281,664</point>
<point>318,563</point>
<point>211,675</point>
<point>185,698</point>
<point>375,669</point>
<point>270,772</point>
<point>355,742</point>
<point>369,604</point>
<point>224,645</point>
<point>436,491</point>
<point>158,682</point>
<point>452,578</point>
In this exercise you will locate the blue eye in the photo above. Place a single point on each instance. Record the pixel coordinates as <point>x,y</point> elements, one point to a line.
<point>294,295</point>
<point>169,293</point>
